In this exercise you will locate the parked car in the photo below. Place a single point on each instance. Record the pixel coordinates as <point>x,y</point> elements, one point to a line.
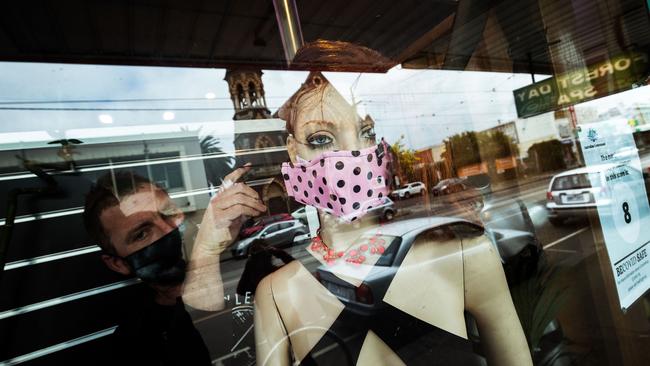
<point>278,234</point>
<point>385,211</point>
<point>260,224</point>
<point>409,190</point>
<point>447,186</point>
<point>300,214</point>
<point>519,251</point>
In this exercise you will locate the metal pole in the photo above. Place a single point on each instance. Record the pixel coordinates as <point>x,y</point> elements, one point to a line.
<point>286,14</point>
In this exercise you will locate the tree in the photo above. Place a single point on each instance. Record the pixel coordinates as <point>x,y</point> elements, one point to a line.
<point>470,147</point>
<point>217,164</point>
<point>406,160</point>
<point>547,155</point>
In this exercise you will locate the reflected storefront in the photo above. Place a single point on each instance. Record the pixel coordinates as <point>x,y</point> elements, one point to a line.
<point>358,183</point>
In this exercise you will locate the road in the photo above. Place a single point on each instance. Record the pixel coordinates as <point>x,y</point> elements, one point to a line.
<point>229,334</point>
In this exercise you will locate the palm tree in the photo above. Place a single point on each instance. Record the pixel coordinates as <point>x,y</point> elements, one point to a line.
<point>217,164</point>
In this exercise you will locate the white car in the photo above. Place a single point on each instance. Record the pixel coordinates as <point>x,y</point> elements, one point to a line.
<point>277,234</point>
<point>577,192</point>
<point>300,214</point>
<point>409,190</point>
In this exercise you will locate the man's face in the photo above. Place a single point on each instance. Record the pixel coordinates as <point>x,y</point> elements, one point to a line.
<point>140,219</point>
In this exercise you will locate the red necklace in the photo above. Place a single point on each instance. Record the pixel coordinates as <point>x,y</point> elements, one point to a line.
<point>374,247</point>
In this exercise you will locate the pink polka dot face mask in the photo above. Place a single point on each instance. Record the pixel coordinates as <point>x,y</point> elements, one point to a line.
<point>345,184</point>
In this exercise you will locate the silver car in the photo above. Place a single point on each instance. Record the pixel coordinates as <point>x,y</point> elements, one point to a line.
<point>277,234</point>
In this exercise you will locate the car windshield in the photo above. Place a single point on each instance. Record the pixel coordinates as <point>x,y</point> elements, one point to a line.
<point>576,181</point>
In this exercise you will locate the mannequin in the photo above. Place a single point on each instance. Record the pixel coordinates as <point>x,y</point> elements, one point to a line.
<point>439,279</point>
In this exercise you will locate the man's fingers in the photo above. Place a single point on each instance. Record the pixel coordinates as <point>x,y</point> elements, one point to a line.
<point>235,212</point>
<point>226,202</point>
<point>238,188</point>
<point>238,173</point>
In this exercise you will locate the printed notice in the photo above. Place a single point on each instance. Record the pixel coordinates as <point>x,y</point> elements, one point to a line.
<point>612,160</point>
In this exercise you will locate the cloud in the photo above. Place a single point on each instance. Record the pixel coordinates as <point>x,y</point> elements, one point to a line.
<point>424,105</point>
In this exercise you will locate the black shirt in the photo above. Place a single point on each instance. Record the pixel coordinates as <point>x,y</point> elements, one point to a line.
<point>154,334</point>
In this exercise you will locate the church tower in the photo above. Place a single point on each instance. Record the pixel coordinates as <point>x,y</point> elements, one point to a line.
<point>259,139</point>
<point>247,94</point>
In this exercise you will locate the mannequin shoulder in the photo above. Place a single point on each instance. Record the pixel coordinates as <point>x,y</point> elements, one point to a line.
<point>480,251</point>
<point>281,275</point>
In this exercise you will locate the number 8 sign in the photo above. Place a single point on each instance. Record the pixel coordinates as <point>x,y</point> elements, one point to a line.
<point>625,212</point>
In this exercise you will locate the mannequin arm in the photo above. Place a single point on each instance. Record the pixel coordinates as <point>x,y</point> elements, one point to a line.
<point>487,298</point>
<point>271,340</point>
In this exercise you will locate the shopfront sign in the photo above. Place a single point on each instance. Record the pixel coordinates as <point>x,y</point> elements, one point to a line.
<point>504,164</point>
<point>474,169</point>
<point>614,169</point>
<point>596,81</point>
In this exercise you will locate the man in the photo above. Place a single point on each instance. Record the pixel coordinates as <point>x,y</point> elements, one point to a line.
<point>138,228</point>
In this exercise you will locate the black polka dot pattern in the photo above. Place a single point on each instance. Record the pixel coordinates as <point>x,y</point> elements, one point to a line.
<point>344,183</point>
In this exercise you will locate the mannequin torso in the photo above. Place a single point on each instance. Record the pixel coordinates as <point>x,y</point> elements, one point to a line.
<point>441,276</point>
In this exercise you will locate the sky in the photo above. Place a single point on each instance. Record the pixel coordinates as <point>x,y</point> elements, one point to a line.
<point>424,106</point>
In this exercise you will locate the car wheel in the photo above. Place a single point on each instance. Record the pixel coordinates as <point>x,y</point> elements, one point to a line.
<point>407,195</point>
<point>388,215</point>
<point>421,192</point>
<point>556,221</point>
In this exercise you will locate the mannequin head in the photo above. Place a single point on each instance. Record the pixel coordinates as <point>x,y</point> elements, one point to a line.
<point>319,119</point>
<point>337,151</point>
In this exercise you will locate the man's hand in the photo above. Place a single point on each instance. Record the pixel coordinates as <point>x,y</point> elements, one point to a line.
<point>219,228</point>
<point>226,213</point>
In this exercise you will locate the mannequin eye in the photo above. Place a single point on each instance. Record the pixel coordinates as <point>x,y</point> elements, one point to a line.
<point>368,133</point>
<point>319,140</point>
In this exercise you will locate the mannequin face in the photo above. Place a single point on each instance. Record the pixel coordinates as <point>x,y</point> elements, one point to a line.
<point>326,122</point>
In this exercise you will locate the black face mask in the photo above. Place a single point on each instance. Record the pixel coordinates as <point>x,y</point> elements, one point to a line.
<point>160,263</point>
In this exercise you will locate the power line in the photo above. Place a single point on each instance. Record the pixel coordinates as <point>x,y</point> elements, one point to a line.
<point>440,92</point>
<point>75,101</point>
<point>172,109</point>
<point>136,100</point>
